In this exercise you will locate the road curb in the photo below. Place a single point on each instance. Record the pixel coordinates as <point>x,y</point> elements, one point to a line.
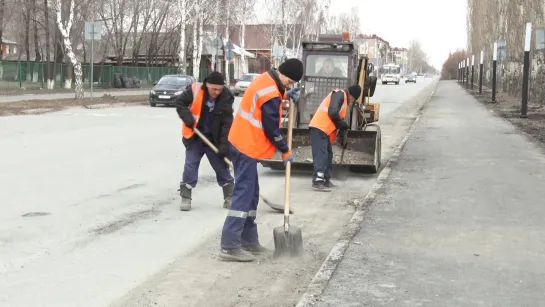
<point>336,254</point>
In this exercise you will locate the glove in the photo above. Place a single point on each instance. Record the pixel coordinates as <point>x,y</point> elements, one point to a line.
<point>293,94</point>
<point>344,126</point>
<point>223,151</point>
<point>288,156</point>
<point>189,123</point>
<point>342,139</point>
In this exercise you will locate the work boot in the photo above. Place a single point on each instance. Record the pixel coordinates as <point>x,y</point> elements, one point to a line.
<point>185,193</point>
<point>257,249</point>
<point>320,186</point>
<point>330,184</point>
<point>227,195</point>
<point>237,254</point>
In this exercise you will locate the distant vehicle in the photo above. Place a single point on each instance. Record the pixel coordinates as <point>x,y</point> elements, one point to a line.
<point>243,83</point>
<point>411,78</point>
<point>390,73</point>
<point>168,88</point>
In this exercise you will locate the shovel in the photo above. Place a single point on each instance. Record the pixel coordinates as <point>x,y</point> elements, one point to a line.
<point>274,206</point>
<point>288,240</point>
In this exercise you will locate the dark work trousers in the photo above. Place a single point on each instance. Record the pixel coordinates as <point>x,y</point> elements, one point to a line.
<point>322,155</point>
<point>193,156</point>
<point>240,228</point>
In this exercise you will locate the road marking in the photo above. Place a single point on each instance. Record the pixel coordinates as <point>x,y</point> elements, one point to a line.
<point>320,281</point>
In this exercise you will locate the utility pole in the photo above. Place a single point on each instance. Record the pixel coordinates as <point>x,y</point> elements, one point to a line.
<point>526,71</point>
<point>494,72</point>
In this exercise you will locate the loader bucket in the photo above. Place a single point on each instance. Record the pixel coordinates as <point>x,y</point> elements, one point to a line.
<point>362,154</point>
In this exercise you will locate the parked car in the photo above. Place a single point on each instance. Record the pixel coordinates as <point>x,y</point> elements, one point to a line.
<point>243,82</point>
<point>168,88</point>
<point>411,78</point>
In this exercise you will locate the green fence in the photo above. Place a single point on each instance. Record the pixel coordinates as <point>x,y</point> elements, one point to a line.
<point>31,75</point>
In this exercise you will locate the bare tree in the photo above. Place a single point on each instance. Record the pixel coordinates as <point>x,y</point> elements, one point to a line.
<point>183,11</point>
<point>2,10</point>
<point>245,13</point>
<point>122,16</point>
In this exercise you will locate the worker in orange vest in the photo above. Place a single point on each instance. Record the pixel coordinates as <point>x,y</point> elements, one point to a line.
<point>327,122</point>
<point>255,135</point>
<point>209,107</point>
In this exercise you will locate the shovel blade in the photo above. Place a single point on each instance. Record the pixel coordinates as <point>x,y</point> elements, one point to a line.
<point>288,243</point>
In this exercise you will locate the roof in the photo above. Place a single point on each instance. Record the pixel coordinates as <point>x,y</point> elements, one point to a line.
<point>8,41</point>
<point>239,50</point>
<point>177,75</point>
<point>372,36</point>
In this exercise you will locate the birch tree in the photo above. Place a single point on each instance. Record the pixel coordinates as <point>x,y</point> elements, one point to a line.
<point>245,13</point>
<point>182,56</point>
<point>201,13</point>
<point>228,12</point>
<point>196,23</point>
<point>2,10</point>
<point>65,28</point>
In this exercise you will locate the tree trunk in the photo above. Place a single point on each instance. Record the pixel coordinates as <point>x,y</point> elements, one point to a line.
<point>68,75</point>
<point>199,46</point>
<point>182,10</point>
<point>65,33</point>
<point>38,56</point>
<point>228,8</point>
<point>26,18</point>
<point>49,79</point>
<point>77,67</point>
<point>243,47</point>
<point>285,25</point>
<point>2,9</point>
<point>195,46</point>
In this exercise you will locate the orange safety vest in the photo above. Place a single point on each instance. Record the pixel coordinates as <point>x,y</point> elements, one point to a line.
<point>321,119</point>
<point>247,134</point>
<point>196,107</point>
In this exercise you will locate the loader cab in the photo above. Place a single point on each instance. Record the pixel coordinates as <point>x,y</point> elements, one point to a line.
<point>328,64</point>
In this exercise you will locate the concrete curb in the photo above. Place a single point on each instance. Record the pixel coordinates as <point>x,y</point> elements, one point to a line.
<point>325,273</point>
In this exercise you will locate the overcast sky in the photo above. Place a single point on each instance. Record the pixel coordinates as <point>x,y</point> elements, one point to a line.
<point>439,25</point>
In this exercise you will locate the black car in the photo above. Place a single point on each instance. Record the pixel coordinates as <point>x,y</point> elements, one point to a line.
<point>168,88</point>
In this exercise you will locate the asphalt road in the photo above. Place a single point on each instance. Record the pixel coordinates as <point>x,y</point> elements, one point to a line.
<point>459,221</point>
<point>90,209</point>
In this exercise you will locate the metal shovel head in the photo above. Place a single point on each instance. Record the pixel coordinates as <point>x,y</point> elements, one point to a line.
<point>287,243</point>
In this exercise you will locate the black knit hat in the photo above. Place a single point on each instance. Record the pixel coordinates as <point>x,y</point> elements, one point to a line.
<point>215,78</point>
<point>355,91</point>
<point>292,68</point>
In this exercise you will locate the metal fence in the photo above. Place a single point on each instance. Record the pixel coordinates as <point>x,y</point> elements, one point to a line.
<point>31,75</point>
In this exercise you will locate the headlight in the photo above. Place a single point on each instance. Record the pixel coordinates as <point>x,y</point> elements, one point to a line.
<point>178,93</point>
<point>152,92</point>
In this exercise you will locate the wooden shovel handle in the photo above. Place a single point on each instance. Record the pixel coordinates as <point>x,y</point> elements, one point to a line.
<point>291,110</point>
<point>207,141</point>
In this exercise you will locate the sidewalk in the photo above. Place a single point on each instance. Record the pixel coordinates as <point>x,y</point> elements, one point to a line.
<point>460,221</point>
<point>87,93</point>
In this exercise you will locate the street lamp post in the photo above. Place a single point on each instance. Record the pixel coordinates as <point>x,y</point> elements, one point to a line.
<point>218,43</point>
<point>93,30</point>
